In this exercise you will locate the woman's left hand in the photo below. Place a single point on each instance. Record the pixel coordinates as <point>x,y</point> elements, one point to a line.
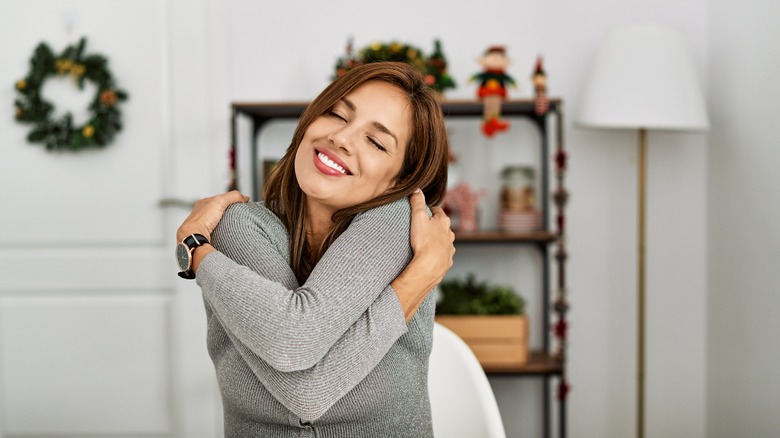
<point>206,214</point>
<point>431,238</point>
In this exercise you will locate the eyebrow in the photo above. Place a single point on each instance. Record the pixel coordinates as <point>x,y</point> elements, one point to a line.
<point>378,126</point>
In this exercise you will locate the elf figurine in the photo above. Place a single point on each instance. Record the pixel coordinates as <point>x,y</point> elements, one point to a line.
<point>539,79</point>
<point>493,82</point>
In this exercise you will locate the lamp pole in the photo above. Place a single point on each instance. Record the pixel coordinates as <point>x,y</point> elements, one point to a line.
<point>643,77</point>
<point>642,185</point>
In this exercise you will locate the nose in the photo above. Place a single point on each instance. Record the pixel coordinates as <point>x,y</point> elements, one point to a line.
<point>343,138</point>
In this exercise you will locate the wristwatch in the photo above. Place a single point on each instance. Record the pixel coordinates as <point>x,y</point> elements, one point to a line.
<point>184,250</point>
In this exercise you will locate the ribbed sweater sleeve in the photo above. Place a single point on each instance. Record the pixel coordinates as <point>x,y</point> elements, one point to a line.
<point>308,345</point>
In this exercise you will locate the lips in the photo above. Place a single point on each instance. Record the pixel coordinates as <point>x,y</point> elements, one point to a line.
<point>330,164</point>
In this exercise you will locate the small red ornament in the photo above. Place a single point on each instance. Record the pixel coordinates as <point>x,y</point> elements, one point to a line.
<point>561,222</point>
<point>560,160</point>
<point>560,328</point>
<point>564,388</point>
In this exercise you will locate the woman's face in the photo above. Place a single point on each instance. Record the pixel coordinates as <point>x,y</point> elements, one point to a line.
<point>354,152</point>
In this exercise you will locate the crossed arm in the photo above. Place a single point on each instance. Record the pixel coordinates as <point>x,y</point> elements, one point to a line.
<point>310,345</point>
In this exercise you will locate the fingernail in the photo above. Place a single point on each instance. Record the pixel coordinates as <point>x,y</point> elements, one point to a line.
<point>417,190</point>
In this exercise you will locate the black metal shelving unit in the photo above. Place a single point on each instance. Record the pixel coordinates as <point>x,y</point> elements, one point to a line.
<point>547,363</point>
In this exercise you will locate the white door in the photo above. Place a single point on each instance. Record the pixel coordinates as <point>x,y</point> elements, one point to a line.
<point>98,336</point>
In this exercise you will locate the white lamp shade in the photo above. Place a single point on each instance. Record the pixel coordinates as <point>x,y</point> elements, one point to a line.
<point>643,76</point>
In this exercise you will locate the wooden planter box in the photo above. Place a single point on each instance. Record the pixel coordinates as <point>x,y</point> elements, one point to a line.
<point>497,341</point>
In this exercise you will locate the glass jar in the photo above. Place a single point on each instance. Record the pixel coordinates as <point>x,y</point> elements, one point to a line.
<point>517,190</point>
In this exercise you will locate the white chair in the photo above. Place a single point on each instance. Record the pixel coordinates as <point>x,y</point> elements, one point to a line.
<point>462,401</point>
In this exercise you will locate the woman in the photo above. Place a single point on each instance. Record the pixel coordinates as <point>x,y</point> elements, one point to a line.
<point>320,321</point>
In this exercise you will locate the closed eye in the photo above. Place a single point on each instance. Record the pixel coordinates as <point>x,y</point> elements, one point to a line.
<point>377,144</point>
<point>337,115</point>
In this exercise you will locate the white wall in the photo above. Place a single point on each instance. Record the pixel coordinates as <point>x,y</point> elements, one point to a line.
<point>279,54</point>
<point>98,335</point>
<point>744,237</point>
<point>713,245</point>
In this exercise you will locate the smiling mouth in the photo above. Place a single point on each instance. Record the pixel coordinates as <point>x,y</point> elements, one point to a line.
<point>331,164</point>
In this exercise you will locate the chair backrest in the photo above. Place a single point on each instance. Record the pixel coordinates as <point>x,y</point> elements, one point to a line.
<point>462,401</point>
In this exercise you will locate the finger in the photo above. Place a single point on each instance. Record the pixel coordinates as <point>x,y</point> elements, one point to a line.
<point>234,196</point>
<point>417,199</point>
<point>240,195</point>
<point>438,213</point>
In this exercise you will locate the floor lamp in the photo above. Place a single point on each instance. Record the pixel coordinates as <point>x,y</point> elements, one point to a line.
<point>643,78</point>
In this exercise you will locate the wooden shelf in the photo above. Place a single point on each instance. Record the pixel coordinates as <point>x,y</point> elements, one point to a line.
<point>496,236</point>
<point>539,363</point>
<point>266,111</point>
<point>469,108</point>
<point>450,108</point>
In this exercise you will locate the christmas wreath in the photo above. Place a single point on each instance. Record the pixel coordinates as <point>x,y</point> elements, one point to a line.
<point>31,107</point>
<point>434,66</point>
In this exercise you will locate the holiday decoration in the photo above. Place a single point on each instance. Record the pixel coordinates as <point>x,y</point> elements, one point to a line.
<point>233,185</point>
<point>346,62</point>
<point>61,134</point>
<point>493,82</point>
<point>463,201</point>
<point>560,198</point>
<point>434,67</point>
<point>539,79</point>
<point>560,329</point>
<point>563,390</point>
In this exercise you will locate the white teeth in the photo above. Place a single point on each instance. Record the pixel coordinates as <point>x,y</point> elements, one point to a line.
<point>330,163</point>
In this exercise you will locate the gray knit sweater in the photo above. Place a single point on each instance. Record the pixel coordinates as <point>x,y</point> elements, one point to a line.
<point>329,358</point>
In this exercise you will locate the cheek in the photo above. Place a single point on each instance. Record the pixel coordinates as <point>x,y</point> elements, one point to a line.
<point>302,167</point>
<point>385,174</point>
<point>298,161</point>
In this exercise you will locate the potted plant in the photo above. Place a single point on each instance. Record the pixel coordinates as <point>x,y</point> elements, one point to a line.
<point>490,319</point>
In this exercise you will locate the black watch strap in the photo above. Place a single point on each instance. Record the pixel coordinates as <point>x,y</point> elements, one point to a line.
<point>192,241</point>
<point>195,240</point>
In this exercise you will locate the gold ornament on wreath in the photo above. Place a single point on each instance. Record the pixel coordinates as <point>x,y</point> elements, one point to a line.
<point>105,119</point>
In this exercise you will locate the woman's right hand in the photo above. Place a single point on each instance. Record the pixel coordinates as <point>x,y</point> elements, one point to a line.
<point>206,214</point>
<point>204,218</point>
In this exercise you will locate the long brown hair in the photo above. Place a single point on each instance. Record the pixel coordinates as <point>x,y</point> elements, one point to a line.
<point>424,165</point>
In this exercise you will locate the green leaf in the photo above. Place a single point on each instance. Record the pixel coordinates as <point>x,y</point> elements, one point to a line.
<point>470,297</point>
<point>38,134</point>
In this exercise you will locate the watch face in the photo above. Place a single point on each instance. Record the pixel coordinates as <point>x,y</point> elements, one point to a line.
<point>183,257</point>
